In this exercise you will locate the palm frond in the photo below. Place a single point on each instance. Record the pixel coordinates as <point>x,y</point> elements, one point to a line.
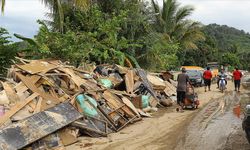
<point>29,40</point>
<point>183,12</point>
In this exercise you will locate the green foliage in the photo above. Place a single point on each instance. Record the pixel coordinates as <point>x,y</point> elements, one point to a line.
<point>230,59</point>
<point>161,55</point>
<point>232,45</point>
<point>128,32</point>
<point>7,51</point>
<point>172,20</point>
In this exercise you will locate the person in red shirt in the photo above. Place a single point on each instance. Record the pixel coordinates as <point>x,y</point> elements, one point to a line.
<point>207,75</point>
<point>237,76</point>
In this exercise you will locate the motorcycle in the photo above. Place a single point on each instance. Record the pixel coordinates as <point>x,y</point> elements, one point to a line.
<point>222,84</point>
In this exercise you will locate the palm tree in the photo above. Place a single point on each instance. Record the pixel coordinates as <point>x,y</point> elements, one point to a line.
<point>171,21</point>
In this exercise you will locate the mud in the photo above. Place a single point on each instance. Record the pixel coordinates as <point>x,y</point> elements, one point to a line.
<point>212,126</point>
<point>216,126</point>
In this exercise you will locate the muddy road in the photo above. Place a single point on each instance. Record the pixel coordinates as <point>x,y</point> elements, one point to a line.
<point>216,127</point>
<point>211,127</point>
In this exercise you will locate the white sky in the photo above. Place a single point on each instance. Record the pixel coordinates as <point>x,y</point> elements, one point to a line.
<point>233,13</point>
<point>21,15</point>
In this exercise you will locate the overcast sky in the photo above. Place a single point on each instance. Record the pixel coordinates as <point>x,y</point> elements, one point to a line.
<point>233,13</point>
<point>21,15</point>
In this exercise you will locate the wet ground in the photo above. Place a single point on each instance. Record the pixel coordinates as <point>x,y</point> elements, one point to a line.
<point>216,127</point>
<point>211,127</point>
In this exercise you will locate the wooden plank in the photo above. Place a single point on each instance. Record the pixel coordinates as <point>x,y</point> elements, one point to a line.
<point>33,88</point>
<point>66,137</point>
<point>130,105</point>
<point>112,99</point>
<point>168,91</point>
<point>171,88</point>
<point>37,67</point>
<point>153,102</point>
<point>157,83</point>
<point>38,105</point>
<point>20,87</point>
<point>11,94</point>
<point>13,110</point>
<point>116,102</point>
<point>129,81</point>
<point>33,128</point>
<point>76,79</point>
<point>32,106</point>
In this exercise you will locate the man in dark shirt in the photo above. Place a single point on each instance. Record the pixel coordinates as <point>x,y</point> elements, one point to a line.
<point>182,80</point>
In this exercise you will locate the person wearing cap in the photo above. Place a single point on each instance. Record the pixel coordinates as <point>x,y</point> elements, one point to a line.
<point>207,75</point>
<point>237,76</point>
<point>181,90</point>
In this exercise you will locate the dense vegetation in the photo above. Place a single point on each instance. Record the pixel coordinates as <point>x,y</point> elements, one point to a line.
<point>130,33</point>
<point>233,45</point>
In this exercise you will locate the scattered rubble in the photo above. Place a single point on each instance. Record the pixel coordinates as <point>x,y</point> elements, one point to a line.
<point>46,103</point>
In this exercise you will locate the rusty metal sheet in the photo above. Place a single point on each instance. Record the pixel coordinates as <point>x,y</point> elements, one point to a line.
<point>33,128</point>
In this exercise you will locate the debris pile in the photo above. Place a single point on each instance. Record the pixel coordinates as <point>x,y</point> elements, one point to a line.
<point>47,103</point>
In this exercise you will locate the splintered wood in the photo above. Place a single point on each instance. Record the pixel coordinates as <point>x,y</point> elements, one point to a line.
<point>42,97</point>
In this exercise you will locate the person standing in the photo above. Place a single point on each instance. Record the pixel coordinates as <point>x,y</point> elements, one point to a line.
<point>237,77</point>
<point>182,80</point>
<point>207,75</point>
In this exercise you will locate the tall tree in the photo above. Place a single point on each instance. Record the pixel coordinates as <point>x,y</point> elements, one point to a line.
<point>172,21</point>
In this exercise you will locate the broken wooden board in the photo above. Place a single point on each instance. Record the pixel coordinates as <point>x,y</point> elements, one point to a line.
<point>152,101</point>
<point>33,88</point>
<point>168,91</point>
<point>137,101</point>
<point>11,94</point>
<point>16,108</point>
<point>33,128</point>
<point>67,137</point>
<point>130,105</point>
<point>75,78</point>
<point>121,70</point>
<point>129,81</point>
<point>158,83</point>
<point>170,88</point>
<point>37,66</point>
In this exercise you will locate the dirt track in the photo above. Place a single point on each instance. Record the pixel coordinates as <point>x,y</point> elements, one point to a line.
<point>212,126</point>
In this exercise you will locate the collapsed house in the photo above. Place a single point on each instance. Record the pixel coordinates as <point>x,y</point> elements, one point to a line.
<point>47,103</point>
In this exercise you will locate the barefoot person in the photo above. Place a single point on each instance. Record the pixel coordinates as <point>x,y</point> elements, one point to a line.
<point>207,75</point>
<point>237,76</point>
<point>182,80</point>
